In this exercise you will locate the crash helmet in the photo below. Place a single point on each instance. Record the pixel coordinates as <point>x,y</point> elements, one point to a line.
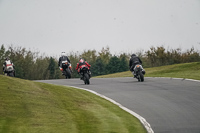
<point>133,55</point>
<point>81,60</point>
<point>63,54</point>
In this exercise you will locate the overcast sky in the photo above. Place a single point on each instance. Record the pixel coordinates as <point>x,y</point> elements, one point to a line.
<point>53,26</point>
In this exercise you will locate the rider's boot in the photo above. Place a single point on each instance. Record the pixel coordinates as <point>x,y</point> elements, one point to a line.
<point>89,73</point>
<point>134,74</point>
<point>143,72</point>
<point>81,76</point>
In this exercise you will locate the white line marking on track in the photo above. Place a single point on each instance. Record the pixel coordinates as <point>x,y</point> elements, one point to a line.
<point>176,78</point>
<point>142,120</point>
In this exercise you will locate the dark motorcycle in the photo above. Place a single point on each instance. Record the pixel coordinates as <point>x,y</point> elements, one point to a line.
<point>139,72</point>
<point>66,69</point>
<point>85,74</point>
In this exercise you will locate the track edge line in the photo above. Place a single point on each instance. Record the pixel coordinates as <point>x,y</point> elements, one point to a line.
<point>142,120</point>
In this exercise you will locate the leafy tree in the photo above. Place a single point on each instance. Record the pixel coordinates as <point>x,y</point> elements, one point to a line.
<point>113,65</point>
<point>90,56</point>
<point>41,68</point>
<point>17,55</point>
<point>105,54</point>
<point>161,56</point>
<point>31,65</point>
<point>74,58</point>
<point>193,56</point>
<point>2,56</point>
<point>2,53</point>
<point>124,65</point>
<point>176,55</point>
<point>151,57</point>
<point>99,67</point>
<point>52,68</point>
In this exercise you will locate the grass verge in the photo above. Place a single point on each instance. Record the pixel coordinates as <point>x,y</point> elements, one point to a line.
<point>186,70</point>
<point>32,107</point>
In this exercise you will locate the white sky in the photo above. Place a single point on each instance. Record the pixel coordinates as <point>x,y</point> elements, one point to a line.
<point>53,26</point>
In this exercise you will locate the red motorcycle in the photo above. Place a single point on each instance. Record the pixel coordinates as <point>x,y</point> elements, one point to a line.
<point>85,73</point>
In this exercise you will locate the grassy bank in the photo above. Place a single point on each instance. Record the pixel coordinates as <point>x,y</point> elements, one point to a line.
<point>32,107</point>
<point>186,70</point>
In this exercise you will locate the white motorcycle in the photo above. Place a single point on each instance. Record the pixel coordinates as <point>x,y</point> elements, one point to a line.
<point>139,72</point>
<point>9,70</point>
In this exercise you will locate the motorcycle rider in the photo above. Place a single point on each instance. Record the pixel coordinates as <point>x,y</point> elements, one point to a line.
<point>8,63</point>
<point>80,64</point>
<point>64,58</point>
<point>134,60</point>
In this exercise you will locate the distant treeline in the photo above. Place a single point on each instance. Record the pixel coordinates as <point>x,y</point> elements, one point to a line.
<point>34,66</point>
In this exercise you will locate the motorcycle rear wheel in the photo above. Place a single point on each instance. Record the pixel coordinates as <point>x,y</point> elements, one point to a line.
<point>11,74</point>
<point>141,77</point>
<point>68,74</point>
<point>86,79</point>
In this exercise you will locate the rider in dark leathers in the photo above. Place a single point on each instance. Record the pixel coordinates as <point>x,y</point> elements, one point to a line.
<point>63,58</point>
<point>134,60</point>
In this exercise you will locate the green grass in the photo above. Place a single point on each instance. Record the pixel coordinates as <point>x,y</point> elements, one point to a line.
<point>186,70</point>
<point>32,107</point>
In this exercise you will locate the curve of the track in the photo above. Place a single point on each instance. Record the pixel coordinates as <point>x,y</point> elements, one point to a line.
<point>169,105</point>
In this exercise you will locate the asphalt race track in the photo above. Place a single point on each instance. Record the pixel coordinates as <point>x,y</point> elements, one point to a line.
<point>169,105</point>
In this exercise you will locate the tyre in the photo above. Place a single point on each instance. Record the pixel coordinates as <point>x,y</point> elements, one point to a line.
<point>68,74</point>
<point>11,74</point>
<point>141,77</point>
<point>86,79</point>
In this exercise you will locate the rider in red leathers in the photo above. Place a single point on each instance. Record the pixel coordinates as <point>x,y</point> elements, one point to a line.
<point>81,64</point>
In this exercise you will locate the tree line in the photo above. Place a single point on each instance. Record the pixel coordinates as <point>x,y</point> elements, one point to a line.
<point>36,66</point>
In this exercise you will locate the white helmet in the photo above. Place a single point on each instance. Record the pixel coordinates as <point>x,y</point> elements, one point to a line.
<point>63,54</point>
